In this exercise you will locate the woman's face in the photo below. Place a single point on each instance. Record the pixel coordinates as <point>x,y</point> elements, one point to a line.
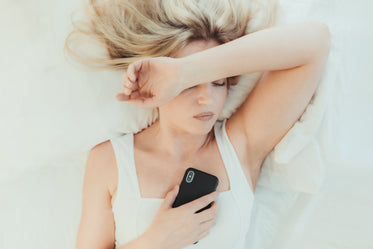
<point>205,97</point>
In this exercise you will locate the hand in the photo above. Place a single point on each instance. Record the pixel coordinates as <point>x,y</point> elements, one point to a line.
<point>182,226</point>
<point>151,82</point>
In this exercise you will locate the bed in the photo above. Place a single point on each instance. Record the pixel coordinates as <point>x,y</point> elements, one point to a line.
<point>315,187</point>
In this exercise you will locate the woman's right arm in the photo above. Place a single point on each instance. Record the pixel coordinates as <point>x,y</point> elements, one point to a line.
<point>171,228</point>
<point>97,227</point>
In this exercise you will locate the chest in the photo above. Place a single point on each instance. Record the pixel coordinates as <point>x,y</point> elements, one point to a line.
<point>156,175</point>
<point>232,220</point>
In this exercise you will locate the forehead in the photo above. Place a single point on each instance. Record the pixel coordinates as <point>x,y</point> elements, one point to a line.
<point>194,47</point>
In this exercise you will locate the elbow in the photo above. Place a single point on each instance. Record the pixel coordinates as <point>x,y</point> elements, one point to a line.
<point>324,37</point>
<point>321,40</point>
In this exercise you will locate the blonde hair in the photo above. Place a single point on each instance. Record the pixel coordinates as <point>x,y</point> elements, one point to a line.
<point>130,30</point>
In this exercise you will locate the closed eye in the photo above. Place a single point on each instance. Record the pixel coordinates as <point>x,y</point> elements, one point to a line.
<point>219,83</point>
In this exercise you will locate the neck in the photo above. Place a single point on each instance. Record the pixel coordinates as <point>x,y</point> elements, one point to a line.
<point>177,144</point>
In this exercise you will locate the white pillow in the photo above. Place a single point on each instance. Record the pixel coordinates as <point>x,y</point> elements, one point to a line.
<point>296,162</point>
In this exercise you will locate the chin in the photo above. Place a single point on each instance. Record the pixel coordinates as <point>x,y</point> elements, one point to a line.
<point>204,128</point>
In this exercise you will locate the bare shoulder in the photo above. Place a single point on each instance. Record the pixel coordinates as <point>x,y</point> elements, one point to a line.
<point>250,156</point>
<point>104,153</point>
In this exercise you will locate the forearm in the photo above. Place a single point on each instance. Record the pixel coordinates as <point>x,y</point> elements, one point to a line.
<point>141,242</point>
<point>275,48</point>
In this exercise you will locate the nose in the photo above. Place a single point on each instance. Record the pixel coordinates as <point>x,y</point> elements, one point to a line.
<point>204,94</point>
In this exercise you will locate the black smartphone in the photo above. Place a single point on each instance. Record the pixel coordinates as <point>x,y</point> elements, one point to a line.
<point>194,185</point>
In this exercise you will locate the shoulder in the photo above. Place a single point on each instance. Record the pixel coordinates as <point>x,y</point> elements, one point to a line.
<point>101,161</point>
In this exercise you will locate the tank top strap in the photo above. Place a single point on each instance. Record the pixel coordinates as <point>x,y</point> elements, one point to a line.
<point>127,179</point>
<point>238,181</point>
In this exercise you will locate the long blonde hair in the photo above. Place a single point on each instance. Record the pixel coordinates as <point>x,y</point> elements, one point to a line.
<point>130,30</point>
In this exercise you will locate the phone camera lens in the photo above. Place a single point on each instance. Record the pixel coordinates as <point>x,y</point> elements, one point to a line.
<point>190,176</point>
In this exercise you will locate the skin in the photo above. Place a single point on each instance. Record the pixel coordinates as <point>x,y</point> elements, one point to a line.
<point>176,133</point>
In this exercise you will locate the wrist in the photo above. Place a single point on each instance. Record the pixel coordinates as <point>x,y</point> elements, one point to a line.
<point>200,67</point>
<point>189,73</point>
<point>149,242</point>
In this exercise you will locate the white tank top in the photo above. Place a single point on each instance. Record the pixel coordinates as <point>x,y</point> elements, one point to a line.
<point>133,214</point>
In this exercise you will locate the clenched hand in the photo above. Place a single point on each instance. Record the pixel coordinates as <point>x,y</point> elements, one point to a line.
<point>151,82</point>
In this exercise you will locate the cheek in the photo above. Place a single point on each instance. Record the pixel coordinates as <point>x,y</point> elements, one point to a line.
<point>177,106</point>
<point>224,97</point>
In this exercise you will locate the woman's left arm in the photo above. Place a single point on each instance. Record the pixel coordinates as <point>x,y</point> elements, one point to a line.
<point>275,48</point>
<point>293,58</point>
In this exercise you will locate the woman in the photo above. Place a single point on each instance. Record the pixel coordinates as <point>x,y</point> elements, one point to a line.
<point>131,181</point>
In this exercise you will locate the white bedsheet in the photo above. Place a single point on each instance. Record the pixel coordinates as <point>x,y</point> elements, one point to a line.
<point>40,186</point>
<point>340,215</point>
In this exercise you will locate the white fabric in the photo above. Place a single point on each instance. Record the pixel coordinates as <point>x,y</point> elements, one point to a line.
<point>133,213</point>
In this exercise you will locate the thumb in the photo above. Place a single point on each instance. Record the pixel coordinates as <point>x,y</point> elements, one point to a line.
<point>142,102</point>
<point>170,197</point>
<point>122,97</point>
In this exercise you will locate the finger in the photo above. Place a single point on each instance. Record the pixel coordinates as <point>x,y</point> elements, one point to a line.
<point>135,95</point>
<point>202,201</point>
<point>132,86</point>
<point>143,102</point>
<point>204,229</point>
<point>127,83</point>
<point>130,72</point>
<point>122,97</point>
<point>126,95</point>
<point>203,234</point>
<point>134,69</point>
<point>126,90</point>
<point>170,197</point>
<point>208,214</point>
<point>205,226</point>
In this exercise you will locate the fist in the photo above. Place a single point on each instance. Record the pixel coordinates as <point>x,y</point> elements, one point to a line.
<point>151,82</point>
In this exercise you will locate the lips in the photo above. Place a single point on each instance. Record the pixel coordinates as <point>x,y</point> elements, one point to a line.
<point>204,114</point>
